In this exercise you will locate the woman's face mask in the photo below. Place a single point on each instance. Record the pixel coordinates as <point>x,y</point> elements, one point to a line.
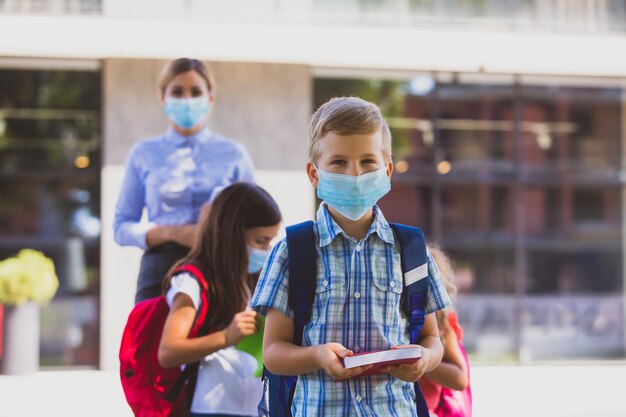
<point>352,196</point>
<point>186,112</point>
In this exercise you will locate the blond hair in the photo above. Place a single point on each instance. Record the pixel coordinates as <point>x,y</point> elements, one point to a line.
<point>446,273</point>
<point>347,116</point>
<point>182,65</point>
<point>446,269</point>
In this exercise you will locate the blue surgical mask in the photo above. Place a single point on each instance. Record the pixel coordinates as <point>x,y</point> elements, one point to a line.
<point>256,259</point>
<point>353,196</point>
<point>186,112</point>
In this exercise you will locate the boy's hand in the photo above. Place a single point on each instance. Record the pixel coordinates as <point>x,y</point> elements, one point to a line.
<point>330,359</point>
<point>243,324</point>
<point>409,372</point>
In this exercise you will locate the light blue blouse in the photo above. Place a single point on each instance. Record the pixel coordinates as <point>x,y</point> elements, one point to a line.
<point>172,176</point>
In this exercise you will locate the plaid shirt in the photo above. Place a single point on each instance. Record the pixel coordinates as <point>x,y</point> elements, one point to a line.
<point>357,304</point>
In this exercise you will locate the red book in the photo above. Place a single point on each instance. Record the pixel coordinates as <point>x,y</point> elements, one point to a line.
<point>382,358</point>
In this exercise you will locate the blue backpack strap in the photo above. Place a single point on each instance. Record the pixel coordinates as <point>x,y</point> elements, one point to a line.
<point>302,258</point>
<point>302,273</point>
<point>414,260</point>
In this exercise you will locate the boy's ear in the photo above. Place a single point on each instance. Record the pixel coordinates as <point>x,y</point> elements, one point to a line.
<point>389,169</point>
<point>311,172</point>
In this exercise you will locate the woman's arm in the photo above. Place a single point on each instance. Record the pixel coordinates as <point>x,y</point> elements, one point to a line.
<point>184,235</point>
<point>177,348</point>
<point>245,168</point>
<point>282,357</point>
<point>128,230</point>
<point>452,372</point>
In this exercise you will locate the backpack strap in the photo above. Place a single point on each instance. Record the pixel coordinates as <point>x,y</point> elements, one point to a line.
<point>302,260</point>
<point>200,327</point>
<point>414,260</point>
<point>302,256</point>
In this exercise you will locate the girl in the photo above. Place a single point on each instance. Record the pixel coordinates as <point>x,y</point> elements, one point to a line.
<point>174,175</point>
<point>453,372</point>
<point>232,244</point>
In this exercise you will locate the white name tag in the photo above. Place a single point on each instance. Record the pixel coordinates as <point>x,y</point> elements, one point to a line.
<point>416,274</point>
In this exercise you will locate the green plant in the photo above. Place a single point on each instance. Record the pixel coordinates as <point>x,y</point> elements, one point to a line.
<point>29,276</point>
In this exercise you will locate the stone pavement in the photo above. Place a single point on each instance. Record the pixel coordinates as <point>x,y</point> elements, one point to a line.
<point>499,391</point>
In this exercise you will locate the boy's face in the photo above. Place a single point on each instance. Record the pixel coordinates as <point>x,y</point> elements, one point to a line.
<point>353,155</point>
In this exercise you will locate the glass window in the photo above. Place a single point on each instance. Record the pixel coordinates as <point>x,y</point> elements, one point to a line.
<point>571,133</point>
<point>519,181</point>
<point>573,223</point>
<point>50,187</point>
<point>475,126</point>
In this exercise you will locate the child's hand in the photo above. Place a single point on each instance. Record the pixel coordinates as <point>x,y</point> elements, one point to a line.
<point>409,372</point>
<point>329,358</point>
<point>243,324</point>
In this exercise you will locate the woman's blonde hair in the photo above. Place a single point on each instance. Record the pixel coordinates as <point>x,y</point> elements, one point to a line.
<point>182,65</point>
<point>446,272</point>
<point>347,116</point>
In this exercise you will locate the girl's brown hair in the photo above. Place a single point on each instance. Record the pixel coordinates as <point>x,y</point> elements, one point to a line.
<point>182,65</point>
<point>220,249</point>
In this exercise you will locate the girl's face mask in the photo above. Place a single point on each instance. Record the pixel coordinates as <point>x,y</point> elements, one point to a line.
<point>256,259</point>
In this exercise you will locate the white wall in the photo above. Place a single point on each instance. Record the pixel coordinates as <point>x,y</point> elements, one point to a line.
<point>118,274</point>
<point>364,47</point>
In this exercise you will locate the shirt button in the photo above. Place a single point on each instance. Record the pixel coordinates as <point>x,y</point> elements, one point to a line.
<point>325,283</point>
<point>357,295</point>
<point>358,248</point>
<point>356,349</point>
<point>358,398</point>
<point>392,284</point>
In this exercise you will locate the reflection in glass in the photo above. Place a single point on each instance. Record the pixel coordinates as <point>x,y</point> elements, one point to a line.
<point>582,132</point>
<point>475,125</point>
<point>50,188</point>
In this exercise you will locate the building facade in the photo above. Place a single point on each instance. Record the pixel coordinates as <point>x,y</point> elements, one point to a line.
<point>508,126</point>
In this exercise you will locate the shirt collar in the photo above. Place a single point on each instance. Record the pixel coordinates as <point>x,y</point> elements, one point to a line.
<point>172,136</point>
<point>328,229</point>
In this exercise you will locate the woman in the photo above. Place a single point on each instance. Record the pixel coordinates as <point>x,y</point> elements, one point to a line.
<point>231,247</point>
<point>174,175</point>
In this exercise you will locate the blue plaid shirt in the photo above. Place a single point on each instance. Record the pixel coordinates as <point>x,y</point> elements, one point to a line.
<point>357,304</point>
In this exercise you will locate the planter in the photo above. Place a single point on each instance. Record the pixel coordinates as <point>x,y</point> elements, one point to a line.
<point>21,339</point>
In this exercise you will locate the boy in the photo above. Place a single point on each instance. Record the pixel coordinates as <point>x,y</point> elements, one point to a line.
<point>359,278</point>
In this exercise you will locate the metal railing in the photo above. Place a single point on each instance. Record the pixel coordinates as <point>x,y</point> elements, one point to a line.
<point>588,16</point>
<point>71,7</point>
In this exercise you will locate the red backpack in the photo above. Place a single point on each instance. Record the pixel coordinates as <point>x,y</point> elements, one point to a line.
<point>150,389</point>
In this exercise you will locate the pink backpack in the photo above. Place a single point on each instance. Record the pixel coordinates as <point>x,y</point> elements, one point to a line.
<point>151,390</point>
<point>454,403</point>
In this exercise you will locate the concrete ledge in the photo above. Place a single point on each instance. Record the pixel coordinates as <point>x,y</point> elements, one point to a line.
<point>499,391</point>
<point>318,46</point>
<point>63,393</point>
